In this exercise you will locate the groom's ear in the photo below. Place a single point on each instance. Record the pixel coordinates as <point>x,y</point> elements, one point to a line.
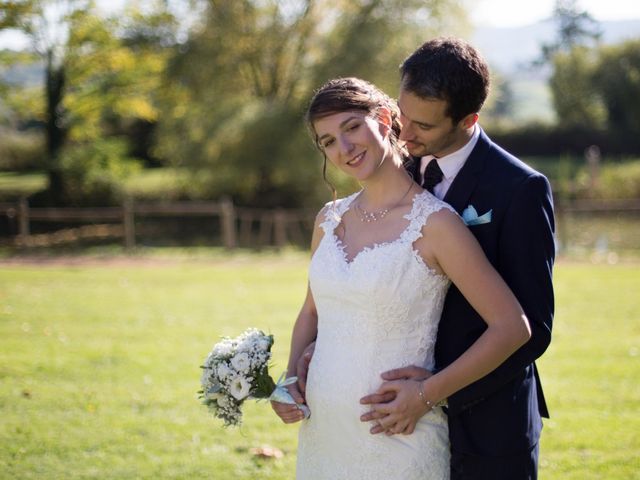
<point>469,121</point>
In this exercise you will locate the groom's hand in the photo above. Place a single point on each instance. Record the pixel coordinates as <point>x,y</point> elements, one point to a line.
<point>412,372</point>
<point>372,415</point>
<point>302,366</point>
<point>403,413</point>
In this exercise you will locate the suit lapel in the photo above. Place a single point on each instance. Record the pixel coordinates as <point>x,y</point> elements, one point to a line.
<point>467,178</point>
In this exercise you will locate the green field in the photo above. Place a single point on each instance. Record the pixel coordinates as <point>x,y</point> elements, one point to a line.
<point>99,368</point>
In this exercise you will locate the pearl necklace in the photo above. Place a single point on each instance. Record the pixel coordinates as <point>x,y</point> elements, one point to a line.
<point>368,217</point>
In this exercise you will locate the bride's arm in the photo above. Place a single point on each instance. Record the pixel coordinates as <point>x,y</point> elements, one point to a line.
<point>304,332</point>
<point>448,247</point>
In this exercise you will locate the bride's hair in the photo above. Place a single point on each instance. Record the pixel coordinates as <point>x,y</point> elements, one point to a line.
<point>348,95</point>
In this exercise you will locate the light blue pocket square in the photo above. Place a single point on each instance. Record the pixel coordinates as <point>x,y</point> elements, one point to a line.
<point>470,216</point>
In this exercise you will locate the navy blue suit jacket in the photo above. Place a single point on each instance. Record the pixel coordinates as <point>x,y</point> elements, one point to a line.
<point>500,413</point>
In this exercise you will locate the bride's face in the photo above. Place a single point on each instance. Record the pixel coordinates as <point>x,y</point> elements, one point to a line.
<point>355,142</point>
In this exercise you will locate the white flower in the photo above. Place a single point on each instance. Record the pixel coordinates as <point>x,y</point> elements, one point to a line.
<point>209,360</point>
<point>241,362</point>
<point>263,344</point>
<point>239,388</point>
<point>205,379</point>
<point>223,348</point>
<point>259,359</point>
<point>223,401</point>
<point>251,333</point>
<point>223,371</point>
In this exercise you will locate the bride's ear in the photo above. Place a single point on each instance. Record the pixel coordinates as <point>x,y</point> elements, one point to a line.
<point>383,115</point>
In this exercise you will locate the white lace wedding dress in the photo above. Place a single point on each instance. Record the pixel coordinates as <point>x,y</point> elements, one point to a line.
<point>378,311</point>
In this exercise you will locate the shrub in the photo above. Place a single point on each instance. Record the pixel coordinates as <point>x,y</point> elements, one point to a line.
<point>613,181</point>
<point>21,151</point>
<point>94,172</point>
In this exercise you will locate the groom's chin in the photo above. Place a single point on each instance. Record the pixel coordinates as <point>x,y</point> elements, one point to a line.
<point>416,150</point>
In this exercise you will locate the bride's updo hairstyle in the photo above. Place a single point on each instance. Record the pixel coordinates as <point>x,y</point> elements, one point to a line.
<point>348,95</point>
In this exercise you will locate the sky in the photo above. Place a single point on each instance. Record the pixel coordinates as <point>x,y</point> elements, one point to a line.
<point>510,13</point>
<point>494,13</point>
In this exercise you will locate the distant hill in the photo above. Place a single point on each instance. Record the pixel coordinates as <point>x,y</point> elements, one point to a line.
<point>23,74</point>
<point>507,49</point>
<point>510,51</point>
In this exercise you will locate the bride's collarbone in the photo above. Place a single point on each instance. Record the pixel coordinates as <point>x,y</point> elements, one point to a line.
<point>355,234</point>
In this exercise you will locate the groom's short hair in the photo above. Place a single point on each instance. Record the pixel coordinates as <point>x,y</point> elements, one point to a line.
<point>448,69</point>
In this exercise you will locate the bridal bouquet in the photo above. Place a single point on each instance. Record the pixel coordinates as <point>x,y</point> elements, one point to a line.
<point>237,369</point>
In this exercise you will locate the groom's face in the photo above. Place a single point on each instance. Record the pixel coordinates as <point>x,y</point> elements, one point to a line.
<point>426,127</point>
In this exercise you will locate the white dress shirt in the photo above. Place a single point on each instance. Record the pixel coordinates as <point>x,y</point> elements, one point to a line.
<point>450,164</point>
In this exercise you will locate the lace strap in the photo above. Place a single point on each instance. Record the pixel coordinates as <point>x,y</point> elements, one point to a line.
<point>333,212</point>
<point>423,206</point>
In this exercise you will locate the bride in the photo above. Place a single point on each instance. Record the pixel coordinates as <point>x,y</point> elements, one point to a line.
<point>382,261</point>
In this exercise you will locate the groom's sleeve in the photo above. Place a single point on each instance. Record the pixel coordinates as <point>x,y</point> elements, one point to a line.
<point>526,254</point>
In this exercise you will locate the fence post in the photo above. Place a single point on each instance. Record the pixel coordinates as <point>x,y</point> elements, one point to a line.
<point>280,228</point>
<point>128,220</point>
<point>228,218</point>
<point>264,234</point>
<point>23,215</point>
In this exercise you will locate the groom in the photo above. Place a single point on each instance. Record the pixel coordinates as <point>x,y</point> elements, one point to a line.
<point>494,423</point>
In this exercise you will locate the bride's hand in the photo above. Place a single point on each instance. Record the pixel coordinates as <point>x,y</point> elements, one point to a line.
<point>402,414</point>
<point>289,413</point>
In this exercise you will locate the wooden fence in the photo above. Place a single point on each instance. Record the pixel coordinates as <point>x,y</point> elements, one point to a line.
<point>239,226</point>
<point>277,227</point>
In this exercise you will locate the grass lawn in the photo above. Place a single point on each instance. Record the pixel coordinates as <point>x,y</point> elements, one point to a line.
<point>14,185</point>
<point>150,183</point>
<point>99,368</point>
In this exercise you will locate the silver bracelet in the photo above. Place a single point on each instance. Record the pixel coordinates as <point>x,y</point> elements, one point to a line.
<point>427,401</point>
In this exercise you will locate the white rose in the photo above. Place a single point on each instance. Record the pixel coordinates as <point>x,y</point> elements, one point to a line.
<point>239,388</point>
<point>241,362</point>
<point>223,371</point>
<point>245,345</point>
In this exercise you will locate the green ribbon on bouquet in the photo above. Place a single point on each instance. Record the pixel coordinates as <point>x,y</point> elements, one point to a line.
<point>282,395</point>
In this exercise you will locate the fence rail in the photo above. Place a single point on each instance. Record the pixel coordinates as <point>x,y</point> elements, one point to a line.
<point>275,227</point>
<point>589,205</point>
<point>238,225</point>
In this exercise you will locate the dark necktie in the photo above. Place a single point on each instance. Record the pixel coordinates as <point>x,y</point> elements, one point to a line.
<point>432,175</point>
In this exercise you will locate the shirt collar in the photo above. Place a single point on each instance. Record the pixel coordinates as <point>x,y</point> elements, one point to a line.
<point>452,163</point>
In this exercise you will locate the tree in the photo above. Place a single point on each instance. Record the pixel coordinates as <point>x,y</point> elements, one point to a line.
<point>46,23</point>
<point>572,60</point>
<point>575,99</point>
<point>102,75</point>
<point>113,79</point>
<point>499,107</point>
<point>617,81</point>
<point>237,91</point>
<point>574,27</point>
